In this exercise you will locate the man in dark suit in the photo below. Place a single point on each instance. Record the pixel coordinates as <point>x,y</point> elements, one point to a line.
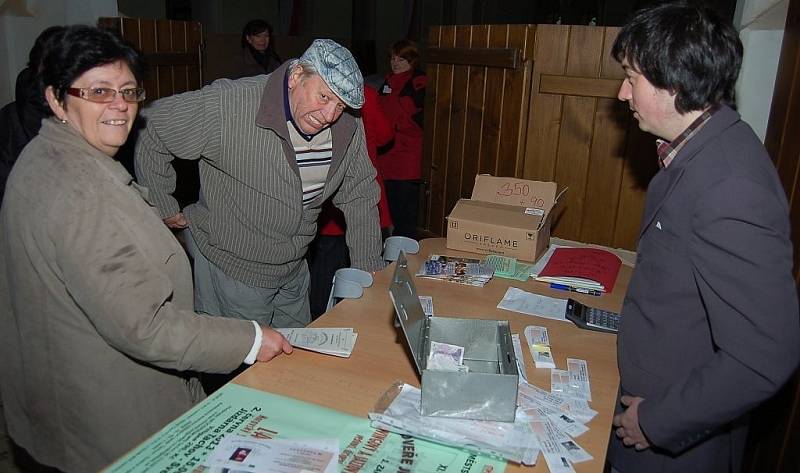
<point>710,324</point>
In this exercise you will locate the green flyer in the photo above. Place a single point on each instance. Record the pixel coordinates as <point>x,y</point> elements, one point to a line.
<point>183,445</point>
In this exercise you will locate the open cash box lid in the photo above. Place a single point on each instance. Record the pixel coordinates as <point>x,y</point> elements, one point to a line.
<point>409,311</point>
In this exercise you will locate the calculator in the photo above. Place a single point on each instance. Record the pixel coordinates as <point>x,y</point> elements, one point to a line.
<point>592,318</point>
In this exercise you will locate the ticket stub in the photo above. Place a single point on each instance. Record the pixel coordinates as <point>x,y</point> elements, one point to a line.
<point>537,335</point>
<point>568,446</point>
<point>542,356</point>
<point>552,450</point>
<point>503,265</point>
<point>518,354</point>
<point>559,382</point>
<point>539,344</point>
<point>579,410</point>
<point>579,378</point>
<point>427,305</point>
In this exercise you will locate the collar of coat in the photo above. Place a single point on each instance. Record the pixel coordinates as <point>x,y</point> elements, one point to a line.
<point>271,115</point>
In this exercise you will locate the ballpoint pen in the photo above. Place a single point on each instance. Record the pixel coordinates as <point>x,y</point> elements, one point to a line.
<point>581,290</point>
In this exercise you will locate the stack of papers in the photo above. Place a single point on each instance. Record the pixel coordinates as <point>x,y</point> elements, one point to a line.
<point>469,271</point>
<point>514,441</point>
<point>330,341</point>
<point>509,268</point>
<point>560,416</point>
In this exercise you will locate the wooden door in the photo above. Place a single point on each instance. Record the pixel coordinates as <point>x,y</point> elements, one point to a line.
<point>537,102</point>
<point>580,136</point>
<point>476,99</point>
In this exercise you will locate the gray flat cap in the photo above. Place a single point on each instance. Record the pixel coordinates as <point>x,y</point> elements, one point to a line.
<point>338,69</point>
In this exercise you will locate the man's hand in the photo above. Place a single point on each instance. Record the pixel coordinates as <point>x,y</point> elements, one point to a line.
<point>627,424</point>
<point>177,221</point>
<point>272,344</point>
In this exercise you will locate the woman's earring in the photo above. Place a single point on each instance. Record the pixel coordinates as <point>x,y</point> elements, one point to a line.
<point>63,121</point>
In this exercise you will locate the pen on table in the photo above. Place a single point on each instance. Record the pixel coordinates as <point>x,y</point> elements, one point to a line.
<point>564,287</point>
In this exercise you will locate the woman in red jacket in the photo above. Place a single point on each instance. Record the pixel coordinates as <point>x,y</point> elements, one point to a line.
<point>402,96</point>
<point>329,250</point>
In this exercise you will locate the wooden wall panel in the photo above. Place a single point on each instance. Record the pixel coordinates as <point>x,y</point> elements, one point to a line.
<point>473,128</point>
<point>458,120</point>
<point>430,170</point>
<point>171,50</point>
<point>551,116</point>
<point>580,136</point>
<point>439,141</point>
<point>508,161</point>
<point>492,105</point>
<point>544,115</point>
<point>166,80</point>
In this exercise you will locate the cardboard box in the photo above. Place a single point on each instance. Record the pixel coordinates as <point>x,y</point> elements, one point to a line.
<point>488,391</point>
<point>505,216</point>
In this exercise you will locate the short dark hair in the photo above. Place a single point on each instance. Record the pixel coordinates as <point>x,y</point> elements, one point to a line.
<point>686,49</point>
<point>254,27</point>
<point>80,48</point>
<point>40,46</point>
<point>408,50</point>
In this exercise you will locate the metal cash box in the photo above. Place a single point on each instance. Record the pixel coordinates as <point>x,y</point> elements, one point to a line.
<point>488,391</point>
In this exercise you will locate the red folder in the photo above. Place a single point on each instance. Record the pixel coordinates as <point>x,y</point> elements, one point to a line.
<point>590,268</point>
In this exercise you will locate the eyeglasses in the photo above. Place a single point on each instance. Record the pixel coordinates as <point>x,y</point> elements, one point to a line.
<point>106,94</point>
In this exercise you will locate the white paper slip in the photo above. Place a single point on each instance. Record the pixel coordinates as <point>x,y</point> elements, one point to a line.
<point>276,456</point>
<point>518,300</point>
<point>580,410</point>
<point>427,305</point>
<point>554,453</point>
<point>566,424</point>
<point>575,452</point>
<point>530,396</point>
<point>537,335</point>
<point>559,382</point>
<point>518,353</point>
<point>330,341</point>
<point>539,345</point>
<point>579,378</point>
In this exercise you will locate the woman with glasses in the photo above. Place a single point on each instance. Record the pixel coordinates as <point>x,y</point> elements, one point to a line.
<point>97,329</point>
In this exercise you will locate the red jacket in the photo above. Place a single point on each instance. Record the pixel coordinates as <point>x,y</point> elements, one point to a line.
<point>378,131</point>
<point>402,97</point>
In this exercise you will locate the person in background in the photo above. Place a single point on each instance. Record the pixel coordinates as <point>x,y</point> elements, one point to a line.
<point>272,150</point>
<point>710,324</point>
<point>402,97</point>
<point>98,335</point>
<point>328,252</point>
<point>258,54</point>
<point>20,120</point>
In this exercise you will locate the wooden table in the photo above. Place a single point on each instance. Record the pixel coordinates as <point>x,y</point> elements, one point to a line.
<point>380,357</point>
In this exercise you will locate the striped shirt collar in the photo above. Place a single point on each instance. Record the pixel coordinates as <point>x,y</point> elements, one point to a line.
<point>667,150</point>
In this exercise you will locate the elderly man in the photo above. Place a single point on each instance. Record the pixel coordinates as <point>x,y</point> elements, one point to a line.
<point>272,149</point>
<point>710,323</point>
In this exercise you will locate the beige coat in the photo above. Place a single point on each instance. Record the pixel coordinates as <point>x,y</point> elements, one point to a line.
<point>96,323</point>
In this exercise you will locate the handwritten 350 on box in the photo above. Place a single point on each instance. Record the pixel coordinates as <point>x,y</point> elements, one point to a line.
<point>505,216</point>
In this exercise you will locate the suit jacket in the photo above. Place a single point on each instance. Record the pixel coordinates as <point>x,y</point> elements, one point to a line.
<point>710,323</point>
<point>96,322</point>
